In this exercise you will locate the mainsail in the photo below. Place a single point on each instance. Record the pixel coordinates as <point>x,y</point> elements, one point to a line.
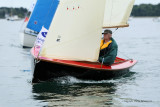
<point>75,31</point>
<point>42,14</point>
<point>117,13</point>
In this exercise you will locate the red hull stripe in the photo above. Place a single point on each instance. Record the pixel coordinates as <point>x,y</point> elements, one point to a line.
<point>119,64</point>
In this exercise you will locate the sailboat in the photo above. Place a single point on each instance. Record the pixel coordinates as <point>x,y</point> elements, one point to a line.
<point>42,15</point>
<point>72,45</point>
<point>157,19</point>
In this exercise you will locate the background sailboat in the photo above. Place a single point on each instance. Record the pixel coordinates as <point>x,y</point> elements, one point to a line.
<point>73,40</point>
<point>42,15</point>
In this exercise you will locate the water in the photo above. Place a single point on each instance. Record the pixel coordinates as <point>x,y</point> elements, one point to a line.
<point>139,88</point>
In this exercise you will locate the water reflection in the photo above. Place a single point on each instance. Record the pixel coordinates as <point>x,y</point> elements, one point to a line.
<point>57,93</point>
<point>69,91</point>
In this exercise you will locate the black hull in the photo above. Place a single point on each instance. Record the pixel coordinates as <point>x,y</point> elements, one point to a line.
<point>26,47</point>
<point>44,71</point>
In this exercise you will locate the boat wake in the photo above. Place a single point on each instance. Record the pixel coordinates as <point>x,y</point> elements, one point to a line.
<point>73,80</point>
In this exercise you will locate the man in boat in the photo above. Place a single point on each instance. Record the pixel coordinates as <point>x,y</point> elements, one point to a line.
<point>108,48</point>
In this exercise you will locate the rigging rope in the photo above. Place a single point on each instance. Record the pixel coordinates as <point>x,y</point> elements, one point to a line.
<point>115,30</point>
<point>128,58</point>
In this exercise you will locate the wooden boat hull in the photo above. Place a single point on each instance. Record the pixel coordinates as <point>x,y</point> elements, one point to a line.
<point>47,69</point>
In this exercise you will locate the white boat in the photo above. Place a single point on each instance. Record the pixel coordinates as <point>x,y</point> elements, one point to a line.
<point>13,18</point>
<point>157,19</point>
<point>33,26</point>
<point>130,18</point>
<point>27,38</point>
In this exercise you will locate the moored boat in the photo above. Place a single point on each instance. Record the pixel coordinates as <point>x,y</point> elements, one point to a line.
<point>157,19</point>
<point>13,18</point>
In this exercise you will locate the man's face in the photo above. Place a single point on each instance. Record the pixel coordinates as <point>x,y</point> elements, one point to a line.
<point>107,36</point>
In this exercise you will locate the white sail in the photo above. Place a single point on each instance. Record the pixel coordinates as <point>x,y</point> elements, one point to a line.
<point>117,13</point>
<point>75,31</point>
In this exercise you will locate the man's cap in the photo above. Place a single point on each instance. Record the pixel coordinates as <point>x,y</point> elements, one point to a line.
<point>107,31</point>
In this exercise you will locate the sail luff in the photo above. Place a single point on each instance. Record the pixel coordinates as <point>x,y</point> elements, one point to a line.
<point>117,13</point>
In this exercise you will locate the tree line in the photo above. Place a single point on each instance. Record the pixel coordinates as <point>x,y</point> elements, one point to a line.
<point>138,10</point>
<point>20,12</point>
<point>146,10</point>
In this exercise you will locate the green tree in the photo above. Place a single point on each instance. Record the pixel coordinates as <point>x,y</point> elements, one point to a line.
<point>146,10</point>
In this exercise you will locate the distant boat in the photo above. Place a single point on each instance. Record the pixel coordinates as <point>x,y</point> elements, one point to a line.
<point>13,18</point>
<point>41,16</point>
<point>72,45</point>
<point>130,19</point>
<point>157,19</point>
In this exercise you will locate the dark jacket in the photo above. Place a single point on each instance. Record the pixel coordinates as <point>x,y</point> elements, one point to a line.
<point>109,54</point>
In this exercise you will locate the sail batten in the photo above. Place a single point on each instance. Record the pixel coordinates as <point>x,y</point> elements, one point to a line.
<point>117,13</point>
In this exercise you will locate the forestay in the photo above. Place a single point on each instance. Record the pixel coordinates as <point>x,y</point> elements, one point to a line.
<point>117,13</point>
<point>75,31</point>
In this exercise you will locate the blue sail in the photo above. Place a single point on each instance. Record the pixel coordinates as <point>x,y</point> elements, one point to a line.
<point>42,14</point>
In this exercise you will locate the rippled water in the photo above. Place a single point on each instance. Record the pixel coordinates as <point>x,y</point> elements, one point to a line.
<point>139,88</point>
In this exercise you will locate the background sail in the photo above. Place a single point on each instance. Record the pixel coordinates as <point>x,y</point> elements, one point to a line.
<point>75,32</point>
<point>117,13</point>
<point>32,6</point>
<point>42,14</point>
